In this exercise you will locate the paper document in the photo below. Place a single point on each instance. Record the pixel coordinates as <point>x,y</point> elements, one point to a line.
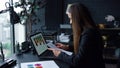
<point>51,45</point>
<point>40,64</point>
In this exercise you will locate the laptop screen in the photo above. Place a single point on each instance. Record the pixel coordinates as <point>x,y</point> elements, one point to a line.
<point>39,43</point>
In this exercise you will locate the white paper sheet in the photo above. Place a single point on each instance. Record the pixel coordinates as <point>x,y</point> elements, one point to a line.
<point>40,64</point>
<point>51,45</point>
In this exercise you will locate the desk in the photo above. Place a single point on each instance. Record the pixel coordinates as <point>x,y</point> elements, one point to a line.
<point>29,57</point>
<point>110,29</point>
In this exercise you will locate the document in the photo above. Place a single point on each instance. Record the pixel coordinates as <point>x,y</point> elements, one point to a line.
<point>51,45</point>
<point>40,64</point>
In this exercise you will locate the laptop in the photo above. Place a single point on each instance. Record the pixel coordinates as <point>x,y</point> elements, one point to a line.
<point>41,46</point>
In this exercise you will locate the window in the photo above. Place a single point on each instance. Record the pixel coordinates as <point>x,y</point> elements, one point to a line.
<point>6,31</point>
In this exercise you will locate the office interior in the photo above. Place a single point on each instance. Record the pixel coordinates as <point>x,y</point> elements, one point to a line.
<point>49,18</point>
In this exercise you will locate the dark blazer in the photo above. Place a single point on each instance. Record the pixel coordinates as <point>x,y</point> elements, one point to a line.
<point>90,51</point>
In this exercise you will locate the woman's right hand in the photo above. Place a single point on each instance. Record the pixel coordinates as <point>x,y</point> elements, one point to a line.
<point>62,46</point>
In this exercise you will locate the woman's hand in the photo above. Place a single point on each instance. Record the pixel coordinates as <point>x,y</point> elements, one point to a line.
<point>55,51</point>
<point>62,46</point>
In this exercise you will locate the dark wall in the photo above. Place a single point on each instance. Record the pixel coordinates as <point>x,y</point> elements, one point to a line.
<point>98,8</point>
<point>54,14</point>
<point>47,17</point>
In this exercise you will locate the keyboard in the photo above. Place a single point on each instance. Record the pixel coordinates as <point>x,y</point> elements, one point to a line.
<point>47,55</point>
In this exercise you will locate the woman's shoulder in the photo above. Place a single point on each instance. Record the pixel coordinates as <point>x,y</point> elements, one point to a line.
<point>90,30</point>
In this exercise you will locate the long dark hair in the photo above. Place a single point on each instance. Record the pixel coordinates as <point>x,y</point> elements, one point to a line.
<point>81,18</point>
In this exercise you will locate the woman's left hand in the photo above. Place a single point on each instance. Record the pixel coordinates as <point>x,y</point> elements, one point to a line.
<point>55,51</point>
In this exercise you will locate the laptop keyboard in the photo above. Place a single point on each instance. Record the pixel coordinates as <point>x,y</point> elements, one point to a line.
<point>47,55</point>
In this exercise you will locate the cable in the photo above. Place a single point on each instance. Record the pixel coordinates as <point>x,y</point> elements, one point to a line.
<point>7,4</point>
<point>7,8</point>
<point>1,48</point>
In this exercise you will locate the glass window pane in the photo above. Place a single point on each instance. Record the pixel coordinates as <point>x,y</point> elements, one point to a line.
<point>5,30</point>
<point>5,34</point>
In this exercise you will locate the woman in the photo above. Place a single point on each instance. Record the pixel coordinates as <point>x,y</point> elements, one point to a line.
<point>87,40</point>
